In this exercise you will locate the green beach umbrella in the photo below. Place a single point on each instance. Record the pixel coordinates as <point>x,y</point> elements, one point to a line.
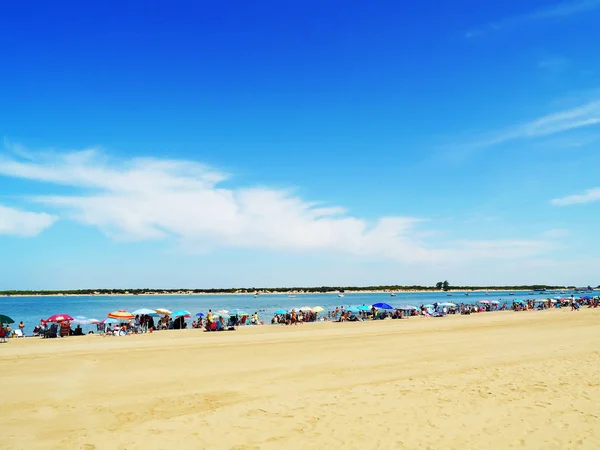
<point>5,319</point>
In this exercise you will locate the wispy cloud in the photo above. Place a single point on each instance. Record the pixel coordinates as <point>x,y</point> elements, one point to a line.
<point>556,11</point>
<point>589,196</point>
<point>554,63</point>
<point>582,116</point>
<point>145,199</point>
<point>23,223</point>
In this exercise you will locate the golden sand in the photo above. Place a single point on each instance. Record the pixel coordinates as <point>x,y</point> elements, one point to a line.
<point>485,381</point>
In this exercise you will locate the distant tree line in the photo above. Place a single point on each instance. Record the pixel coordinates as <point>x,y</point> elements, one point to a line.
<point>441,285</point>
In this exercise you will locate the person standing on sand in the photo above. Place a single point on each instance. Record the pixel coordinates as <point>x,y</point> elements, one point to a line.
<point>22,327</point>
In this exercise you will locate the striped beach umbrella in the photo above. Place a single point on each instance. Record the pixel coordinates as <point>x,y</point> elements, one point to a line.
<point>121,314</point>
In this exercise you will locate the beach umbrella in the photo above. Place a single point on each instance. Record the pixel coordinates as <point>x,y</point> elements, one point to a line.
<point>82,320</point>
<point>363,308</point>
<point>383,306</point>
<point>318,309</point>
<point>94,321</point>
<point>305,308</point>
<point>518,301</point>
<point>222,312</point>
<point>144,312</point>
<point>429,305</point>
<point>449,304</point>
<point>163,311</point>
<point>111,320</point>
<point>181,313</point>
<point>200,315</point>
<point>5,319</point>
<point>281,311</point>
<point>407,307</point>
<point>238,312</point>
<point>59,318</point>
<point>121,314</point>
<point>494,302</point>
<point>486,302</point>
<point>353,309</point>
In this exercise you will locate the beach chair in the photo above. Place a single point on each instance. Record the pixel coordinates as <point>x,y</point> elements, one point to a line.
<point>18,334</point>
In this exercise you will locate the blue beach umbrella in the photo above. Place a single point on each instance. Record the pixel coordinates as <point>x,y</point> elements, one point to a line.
<point>281,311</point>
<point>383,306</point>
<point>408,308</point>
<point>200,315</point>
<point>180,313</point>
<point>353,309</point>
<point>238,312</point>
<point>363,308</point>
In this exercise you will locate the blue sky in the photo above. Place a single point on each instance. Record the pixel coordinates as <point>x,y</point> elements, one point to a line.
<point>209,144</point>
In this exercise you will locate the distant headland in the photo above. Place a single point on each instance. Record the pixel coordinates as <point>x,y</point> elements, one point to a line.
<point>440,286</point>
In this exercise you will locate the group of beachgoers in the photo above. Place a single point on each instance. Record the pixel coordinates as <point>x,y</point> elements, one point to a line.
<point>223,320</point>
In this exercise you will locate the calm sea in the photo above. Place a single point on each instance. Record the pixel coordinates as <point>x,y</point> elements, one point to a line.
<point>32,309</point>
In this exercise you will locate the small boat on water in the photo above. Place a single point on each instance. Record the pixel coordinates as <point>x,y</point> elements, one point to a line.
<point>511,293</point>
<point>393,294</point>
<point>448,295</point>
<point>292,296</point>
<point>466,293</point>
<point>341,295</point>
<point>256,295</point>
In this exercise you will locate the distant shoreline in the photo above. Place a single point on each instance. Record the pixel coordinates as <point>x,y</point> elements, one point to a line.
<point>191,294</point>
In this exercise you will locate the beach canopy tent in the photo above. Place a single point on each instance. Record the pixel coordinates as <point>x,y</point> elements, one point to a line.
<point>59,318</point>
<point>383,306</point>
<point>318,309</point>
<point>145,312</point>
<point>281,311</point>
<point>181,313</point>
<point>121,314</point>
<point>5,319</point>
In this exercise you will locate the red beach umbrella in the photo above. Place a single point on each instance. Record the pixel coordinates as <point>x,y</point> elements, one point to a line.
<point>59,318</point>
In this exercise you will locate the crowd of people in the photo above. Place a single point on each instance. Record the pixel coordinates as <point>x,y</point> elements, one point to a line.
<point>221,321</point>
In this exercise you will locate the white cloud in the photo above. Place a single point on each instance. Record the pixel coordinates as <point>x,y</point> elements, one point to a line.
<point>582,116</point>
<point>552,12</point>
<point>589,196</point>
<point>555,233</point>
<point>23,223</point>
<point>144,199</point>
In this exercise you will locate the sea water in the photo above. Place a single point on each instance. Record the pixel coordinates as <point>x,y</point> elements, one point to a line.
<point>32,309</point>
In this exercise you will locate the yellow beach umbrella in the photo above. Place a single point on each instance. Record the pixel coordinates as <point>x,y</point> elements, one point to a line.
<point>163,311</point>
<point>318,309</point>
<point>305,308</point>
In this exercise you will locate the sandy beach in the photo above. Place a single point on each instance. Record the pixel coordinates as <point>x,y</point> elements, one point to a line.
<point>492,380</point>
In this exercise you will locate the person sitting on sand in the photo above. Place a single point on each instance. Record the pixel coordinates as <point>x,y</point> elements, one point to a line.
<point>78,331</point>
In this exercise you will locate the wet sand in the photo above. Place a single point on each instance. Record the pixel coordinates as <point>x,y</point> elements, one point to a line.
<point>496,380</point>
